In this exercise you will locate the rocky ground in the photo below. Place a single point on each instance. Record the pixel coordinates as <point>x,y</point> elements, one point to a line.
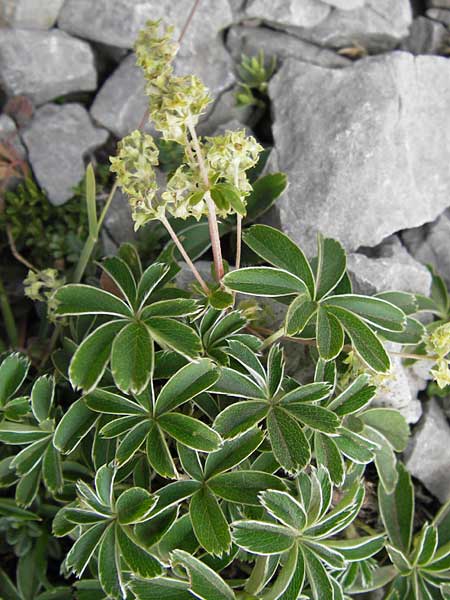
<point>359,119</point>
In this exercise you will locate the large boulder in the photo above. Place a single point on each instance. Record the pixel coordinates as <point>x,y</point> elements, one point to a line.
<point>57,139</point>
<point>373,24</point>
<point>426,36</point>
<point>366,148</point>
<point>45,64</point>
<point>428,455</point>
<point>30,14</point>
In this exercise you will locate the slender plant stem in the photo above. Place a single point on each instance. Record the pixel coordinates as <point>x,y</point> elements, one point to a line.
<point>184,254</point>
<point>276,335</point>
<point>16,253</point>
<point>8,317</point>
<point>212,216</point>
<point>256,579</point>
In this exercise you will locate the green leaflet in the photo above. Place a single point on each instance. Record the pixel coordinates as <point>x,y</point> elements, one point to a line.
<point>190,432</point>
<point>134,505</point>
<point>289,444</point>
<point>204,583</point>
<point>277,249</point>
<point>331,265</point>
<point>42,396</point>
<point>80,299</point>
<point>300,312</point>
<point>176,336</point>
<point>121,274</point>
<point>376,311</point>
<point>209,523</point>
<point>13,371</point>
<point>161,587</point>
<point>262,537</point>
<point>244,487</point>
<point>132,358</point>
<point>330,335</point>
<point>264,281</point>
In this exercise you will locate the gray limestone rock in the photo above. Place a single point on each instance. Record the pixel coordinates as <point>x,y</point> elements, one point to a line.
<point>393,269</point>
<point>366,148</point>
<point>345,4</point>
<point>438,3</point>
<point>307,13</point>
<point>118,222</point>
<point>57,140</point>
<point>121,102</point>
<point>428,455</point>
<point>117,22</point>
<point>30,14</point>
<point>430,244</point>
<point>250,40</point>
<point>45,64</point>
<point>426,37</point>
<point>376,25</point>
<point>398,390</point>
<point>440,14</point>
<point>223,111</point>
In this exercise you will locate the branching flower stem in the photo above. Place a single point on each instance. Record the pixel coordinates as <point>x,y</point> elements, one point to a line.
<point>184,254</point>
<point>212,216</point>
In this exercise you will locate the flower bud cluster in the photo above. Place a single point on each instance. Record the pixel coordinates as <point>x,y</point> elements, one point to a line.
<point>40,287</point>
<point>438,344</point>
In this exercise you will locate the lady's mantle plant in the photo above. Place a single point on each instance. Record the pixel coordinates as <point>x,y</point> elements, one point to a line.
<point>173,452</point>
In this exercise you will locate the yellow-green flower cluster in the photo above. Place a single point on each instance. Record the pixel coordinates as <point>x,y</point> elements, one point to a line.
<point>134,167</point>
<point>184,195</point>
<point>154,51</point>
<point>438,344</point>
<point>40,286</point>
<point>231,155</point>
<point>175,101</point>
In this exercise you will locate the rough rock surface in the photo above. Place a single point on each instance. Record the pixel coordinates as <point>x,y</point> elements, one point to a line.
<point>366,148</point>
<point>57,140</point>
<point>430,244</point>
<point>426,37</point>
<point>121,102</point>
<point>440,14</point>
<point>114,22</point>
<point>223,111</point>
<point>438,3</point>
<point>399,390</point>
<point>117,22</point>
<point>376,25</point>
<point>345,4</point>
<point>393,268</point>
<point>45,64</point>
<point>30,14</point>
<point>428,455</point>
<point>307,13</point>
<point>250,40</point>
<point>118,222</point>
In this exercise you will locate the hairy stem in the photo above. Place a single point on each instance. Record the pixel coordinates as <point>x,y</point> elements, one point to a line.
<point>8,317</point>
<point>212,216</point>
<point>256,580</point>
<point>276,335</point>
<point>184,254</point>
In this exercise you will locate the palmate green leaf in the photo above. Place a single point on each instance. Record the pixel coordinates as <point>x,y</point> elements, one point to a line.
<point>209,523</point>
<point>204,582</point>
<point>354,550</point>
<point>240,417</point>
<point>104,401</point>
<point>233,452</point>
<point>175,335</point>
<point>385,460</point>
<point>328,454</point>
<point>329,334</point>
<point>376,311</point>
<point>52,470</point>
<point>132,358</point>
<point>233,383</point>
<point>391,424</point>
<point>161,588</point>
<point>89,362</point>
<point>139,560</point>
<point>180,536</point>
<point>28,486</point>
<point>300,312</point>
<point>283,507</point>
<point>357,395</point>
<point>426,545</point>
<point>80,299</point>
<point>317,576</point>
<point>13,371</point>
<point>132,441</point>
<point>247,358</point>
<point>331,265</point>
<point>82,551</point>
<point>30,456</point>
<point>109,570</point>
<point>289,444</point>
<point>397,510</point>
<point>262,537</point>
<point>158,453</point>
<point>365,342</point>
<point>149,281</point>
<point>190,432</point>
<point>173,493</point>
<point>121,274</point>
<point>310,392</point>
<point>226,195</point>
<point>315,417</point>
<point>412,333</point>
<point>357,448</point>
<point>8,508</point>
<point>295,586</point>
<point>134,505</point>
<point>153,530</point>
<point>189,381</point>
<point>74,425</point>
<point>243,487</point>
<point>20,433</point>
<point>264,281</point>
<point>42,395</point>
<point>278,250</point>
<point>175,307</point>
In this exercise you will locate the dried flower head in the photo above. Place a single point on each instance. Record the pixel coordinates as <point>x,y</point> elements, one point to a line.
<point>155,51</point>
<point>134,167</point>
